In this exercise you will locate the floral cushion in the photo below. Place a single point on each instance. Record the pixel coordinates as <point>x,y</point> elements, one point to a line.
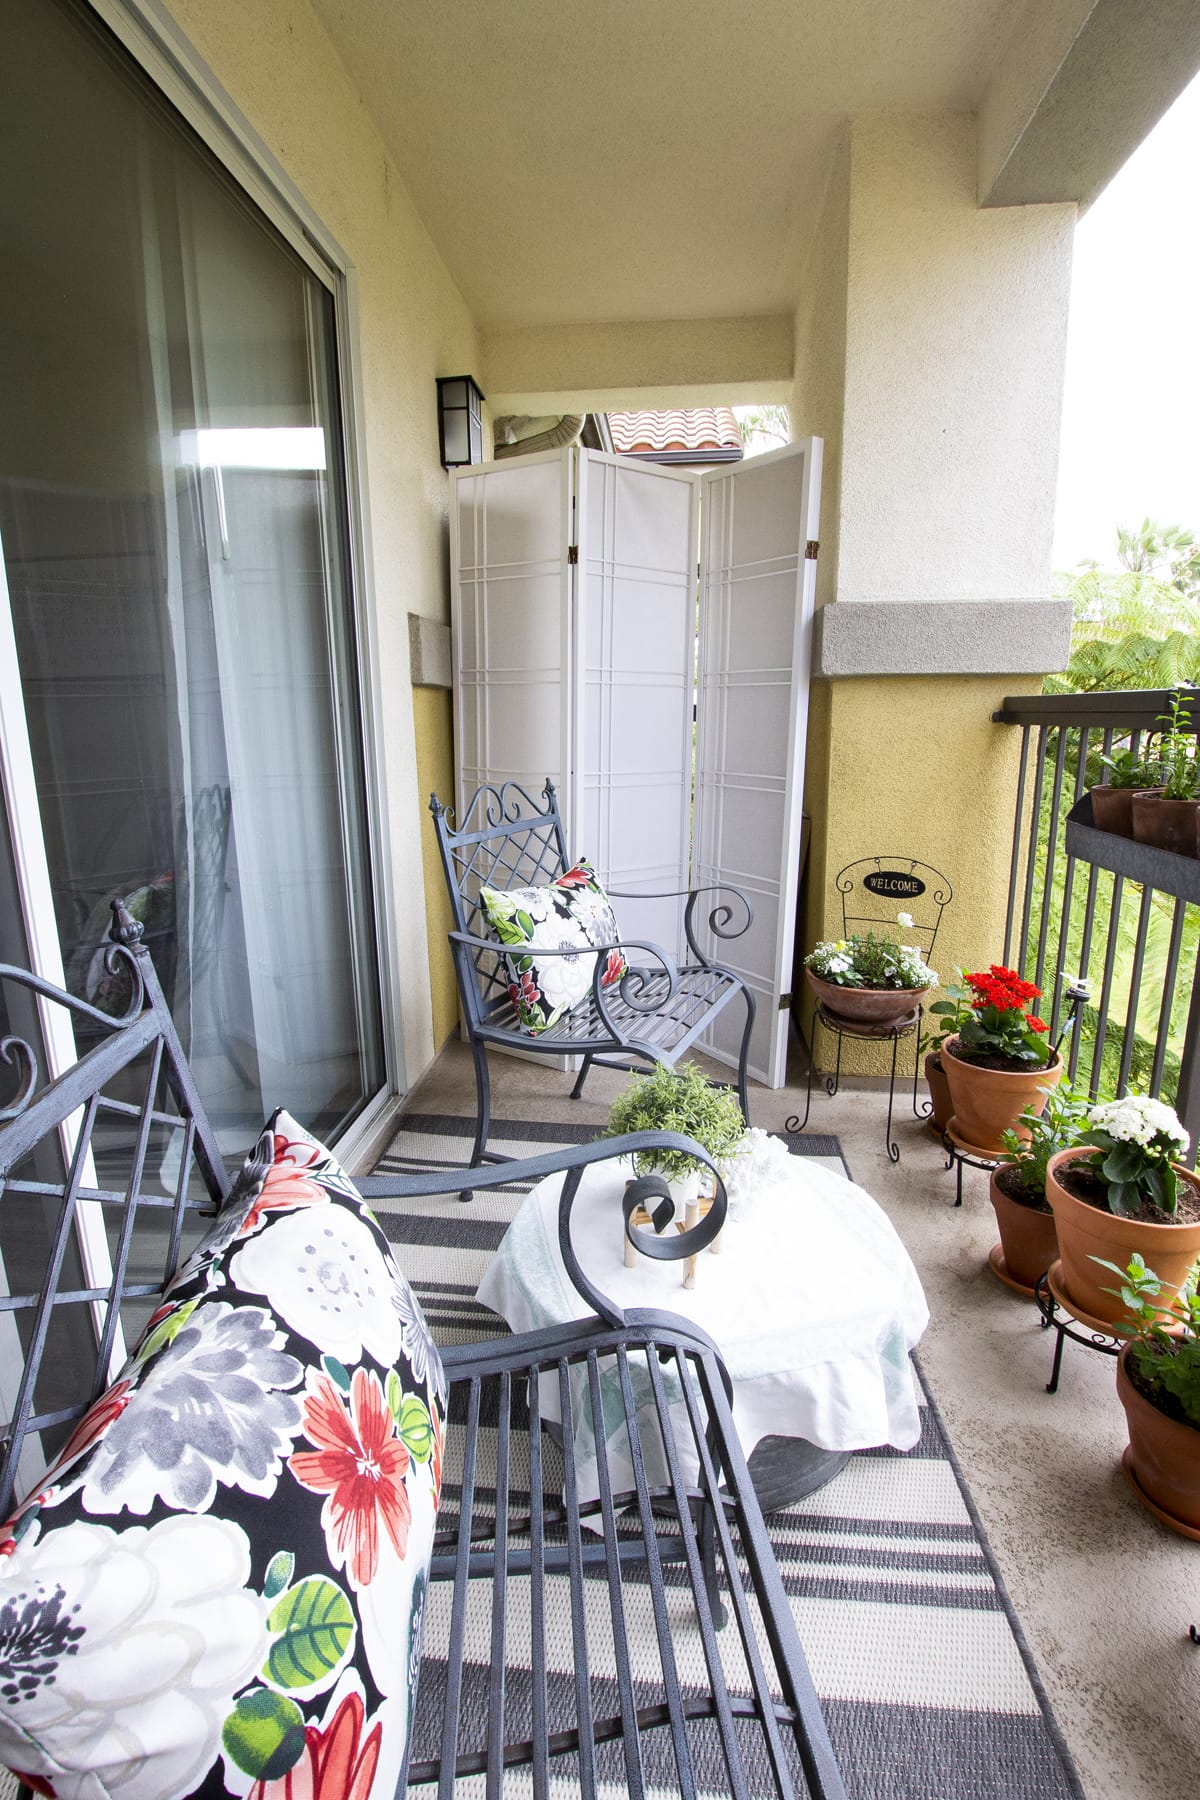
<point>572,914</point>
<point>218,1588</point>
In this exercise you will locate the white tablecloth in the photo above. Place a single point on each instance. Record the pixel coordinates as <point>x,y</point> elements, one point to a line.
<point>812,1299</point>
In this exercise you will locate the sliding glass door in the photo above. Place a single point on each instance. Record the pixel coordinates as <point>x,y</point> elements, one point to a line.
<point>173,524</point>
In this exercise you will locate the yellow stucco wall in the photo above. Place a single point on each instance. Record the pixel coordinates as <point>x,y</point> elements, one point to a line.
<point>412,324</point>
<point>915,767</point>
<point>433,723</point>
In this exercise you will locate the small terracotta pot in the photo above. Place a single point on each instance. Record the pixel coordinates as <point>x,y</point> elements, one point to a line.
<point>1028,1240</point>
<point>1085,1231</point>
<point>988,1102</point>
<point>1112,810</point>
<point>939,1092</point>
<point>874,1007</point>
<point>1169,824</point>
<point>1162,1462</point>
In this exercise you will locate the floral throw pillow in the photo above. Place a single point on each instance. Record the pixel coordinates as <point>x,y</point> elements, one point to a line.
<point>572,914</point>
<point>218,1587</point>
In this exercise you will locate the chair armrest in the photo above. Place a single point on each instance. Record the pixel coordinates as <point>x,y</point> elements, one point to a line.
<point>572,1160</point>
<point>726,910</point>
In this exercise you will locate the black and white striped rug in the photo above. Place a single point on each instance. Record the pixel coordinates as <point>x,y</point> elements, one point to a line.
<point>928,1686</point>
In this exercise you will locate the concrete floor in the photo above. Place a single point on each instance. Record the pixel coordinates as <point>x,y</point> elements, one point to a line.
<point>1105,1593</point>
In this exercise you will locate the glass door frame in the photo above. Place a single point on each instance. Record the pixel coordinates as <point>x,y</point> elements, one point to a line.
<point>156,43</point>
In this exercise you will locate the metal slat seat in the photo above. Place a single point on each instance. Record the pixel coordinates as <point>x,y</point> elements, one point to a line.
<point>653,1014</point>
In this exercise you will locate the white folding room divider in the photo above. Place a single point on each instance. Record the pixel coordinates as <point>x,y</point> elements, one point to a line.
<point>575,629</point>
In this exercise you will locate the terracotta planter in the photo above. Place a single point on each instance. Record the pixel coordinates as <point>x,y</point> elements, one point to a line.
<point>1084,1231</point>
<point>1169,824</point>
<point>1112,810</point>
<point>1028,1241</point>
<point>875,1008</point>
<point>939,1093</point>
<point>1162,1463</point>
<point>988,1102</point>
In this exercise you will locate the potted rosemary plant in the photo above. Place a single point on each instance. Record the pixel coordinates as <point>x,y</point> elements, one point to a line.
<point>1158,1384</point>
<point>683,1100</point>
<point>1122,1190</point>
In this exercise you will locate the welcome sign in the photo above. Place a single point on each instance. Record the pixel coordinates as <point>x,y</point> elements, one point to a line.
<point>894,883</point>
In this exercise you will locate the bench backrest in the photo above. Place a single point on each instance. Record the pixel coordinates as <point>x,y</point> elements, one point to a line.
<point>505,840</point>
<point>106,1171</point>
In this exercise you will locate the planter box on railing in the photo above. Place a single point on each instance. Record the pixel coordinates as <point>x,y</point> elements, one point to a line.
<point>1161,869</point>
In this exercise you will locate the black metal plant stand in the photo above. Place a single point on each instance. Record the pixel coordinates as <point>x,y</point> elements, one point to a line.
<point>1057,1318</point>
<point>958,1158</point>
<point>903,1028</point>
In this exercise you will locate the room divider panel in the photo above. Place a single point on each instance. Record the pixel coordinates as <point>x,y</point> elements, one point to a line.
<point>643,636</point>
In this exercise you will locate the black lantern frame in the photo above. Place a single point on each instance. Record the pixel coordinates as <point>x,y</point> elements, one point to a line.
<point>460,421</point>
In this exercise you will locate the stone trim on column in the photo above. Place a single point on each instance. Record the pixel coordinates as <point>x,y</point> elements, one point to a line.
<point>942,637</point>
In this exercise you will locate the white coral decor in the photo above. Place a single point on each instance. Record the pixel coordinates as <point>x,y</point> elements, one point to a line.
<point>1138,1120</point>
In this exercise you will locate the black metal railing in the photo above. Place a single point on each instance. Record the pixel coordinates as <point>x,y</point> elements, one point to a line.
<point>1084,903</point>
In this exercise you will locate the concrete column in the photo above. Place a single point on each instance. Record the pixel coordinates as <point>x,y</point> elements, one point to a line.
<point>930,346</point>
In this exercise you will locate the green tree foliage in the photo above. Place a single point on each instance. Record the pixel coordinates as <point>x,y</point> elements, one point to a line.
<point>1136,625</point>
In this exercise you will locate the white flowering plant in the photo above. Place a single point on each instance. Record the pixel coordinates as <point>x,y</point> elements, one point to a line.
<point>871,962</point>
<point>1137,1142</point>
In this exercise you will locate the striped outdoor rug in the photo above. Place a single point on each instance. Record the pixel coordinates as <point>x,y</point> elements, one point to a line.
<point>929,1689</point>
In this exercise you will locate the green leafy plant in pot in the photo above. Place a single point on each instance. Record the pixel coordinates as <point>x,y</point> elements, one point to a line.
<point>943,1019</point>
<point>1166,814</point>
<point>1128,771</point>
<point>869,980</point>
<point>997,1056</point>
<point>682,1100</point>
<point>1028,1241</point>
<point>1158,1383</point>
<point>1121,1191</point>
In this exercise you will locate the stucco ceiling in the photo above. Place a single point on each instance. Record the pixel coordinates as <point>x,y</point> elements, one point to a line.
<point>600,160</point>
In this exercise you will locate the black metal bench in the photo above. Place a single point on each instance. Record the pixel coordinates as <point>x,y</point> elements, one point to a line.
<point>704,1690</point>
<point>654,1014</point>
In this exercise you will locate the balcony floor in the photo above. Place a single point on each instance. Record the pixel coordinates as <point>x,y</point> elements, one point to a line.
<point>1105,1593</point>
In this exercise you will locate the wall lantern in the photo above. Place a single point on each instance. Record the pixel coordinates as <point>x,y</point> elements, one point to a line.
<point>460,422</point>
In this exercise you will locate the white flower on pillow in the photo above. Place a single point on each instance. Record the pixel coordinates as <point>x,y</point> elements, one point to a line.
<point>122,1652</point>
<point>563,979</point>
<point>325,1275</point>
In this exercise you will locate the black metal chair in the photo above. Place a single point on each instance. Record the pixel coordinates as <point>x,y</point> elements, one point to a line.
<point>653,1014</point>
<point>655,1698</point>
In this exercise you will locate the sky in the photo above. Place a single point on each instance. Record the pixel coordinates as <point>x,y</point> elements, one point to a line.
<point>1131,413</point>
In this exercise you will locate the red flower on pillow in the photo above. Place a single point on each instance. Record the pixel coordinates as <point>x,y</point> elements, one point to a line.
<point>361,1464</point>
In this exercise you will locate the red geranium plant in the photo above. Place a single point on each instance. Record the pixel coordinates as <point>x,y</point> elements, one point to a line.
<point>992,1017</point>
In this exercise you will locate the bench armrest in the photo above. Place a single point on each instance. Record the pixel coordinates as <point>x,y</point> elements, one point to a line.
<point>571,1160</point>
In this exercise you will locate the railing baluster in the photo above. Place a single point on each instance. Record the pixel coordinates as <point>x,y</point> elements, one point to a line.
<point>1060,764</point>
<point>1170,980</point>
<point>1110,958</point>
<point>1135,988</point>
<point>1015,870</point>
<point>1031,849</point>
<point>1064,947</point>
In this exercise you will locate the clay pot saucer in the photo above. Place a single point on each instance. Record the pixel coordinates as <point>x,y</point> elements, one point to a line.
<point>999,1268</point>
<point>966,1146</point>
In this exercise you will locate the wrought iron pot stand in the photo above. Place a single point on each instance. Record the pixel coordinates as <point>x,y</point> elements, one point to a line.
<point>905,1027</point>
<point>1059,1314</point>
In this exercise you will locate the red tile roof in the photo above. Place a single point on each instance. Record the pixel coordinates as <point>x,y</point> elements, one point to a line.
<point>696,428</point>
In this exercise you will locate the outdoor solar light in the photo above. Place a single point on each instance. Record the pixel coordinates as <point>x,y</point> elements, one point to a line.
<point>460,421</point>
